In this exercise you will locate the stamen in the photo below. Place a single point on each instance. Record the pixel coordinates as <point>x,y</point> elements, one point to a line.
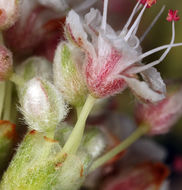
<point>140,69</point>
<point>136,23</point>
<point>152,24</point>
<point>104,18</point>
<point>135,10</point>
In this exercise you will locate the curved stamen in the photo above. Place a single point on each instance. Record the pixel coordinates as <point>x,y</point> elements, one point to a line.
<point>135,24</point>
<point>140,69</point>
<point>104,18</point>
<point>152,24</point>
<point>135,10</point>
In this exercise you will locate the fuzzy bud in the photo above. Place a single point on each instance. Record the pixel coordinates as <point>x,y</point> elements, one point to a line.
<point>67,75</point>
<point>8,13</point>
<point>94,142</point>
<point>35,67</point>
<point>160,116</point>
<point>42,105</point>
<point>6,63</point>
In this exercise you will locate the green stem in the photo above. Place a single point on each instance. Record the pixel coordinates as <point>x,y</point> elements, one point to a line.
<point>2,96</point>
<point>75,138</point>
<point>8,101</point>
<point>119,148</point>
<point>18,80</point>
<point>78,111</point>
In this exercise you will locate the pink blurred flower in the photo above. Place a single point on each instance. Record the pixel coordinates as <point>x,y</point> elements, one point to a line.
<point>40,27</point>
<point>111,58</point>
<point>160,116</point>
<point>146,176</point>
<point>9,12</point>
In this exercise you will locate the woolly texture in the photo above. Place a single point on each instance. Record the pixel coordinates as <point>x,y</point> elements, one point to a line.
<point>68,77</point>
<point>42,105</point>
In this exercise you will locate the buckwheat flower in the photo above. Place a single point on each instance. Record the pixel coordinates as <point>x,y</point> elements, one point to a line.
<point>6,63</point>
<point>160,116</point>
<point>113,59</point>
<point>9,11</point>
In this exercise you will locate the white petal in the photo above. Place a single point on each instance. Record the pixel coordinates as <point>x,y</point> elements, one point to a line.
<point>76,26</point>
<point>143,91</point>
<point>153,78</point>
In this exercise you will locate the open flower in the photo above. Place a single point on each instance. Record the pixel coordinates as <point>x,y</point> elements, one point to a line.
<point>113,59</point>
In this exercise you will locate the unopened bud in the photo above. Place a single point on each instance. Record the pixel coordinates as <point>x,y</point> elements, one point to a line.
<point>160,116</point>
<point>35,67</point>
<point>6,63</point>
<point>68,77</point>
<point>8,13</point>
<point>42,105</point>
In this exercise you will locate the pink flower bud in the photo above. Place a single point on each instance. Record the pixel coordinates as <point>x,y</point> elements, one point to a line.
<point>6,63</point>
<point>160,116</point>
<point>147,176</point>
<point>8,13</point>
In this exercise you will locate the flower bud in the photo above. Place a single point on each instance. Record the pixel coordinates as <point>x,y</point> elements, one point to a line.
<point>6,63</point>
<point>8,13</point>
<point>35,67</point>
<point>160,116</point>
<point>67,75</point>
<point>42,105</point>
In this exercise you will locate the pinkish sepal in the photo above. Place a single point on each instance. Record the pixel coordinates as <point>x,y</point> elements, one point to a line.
<point>160,116</point>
